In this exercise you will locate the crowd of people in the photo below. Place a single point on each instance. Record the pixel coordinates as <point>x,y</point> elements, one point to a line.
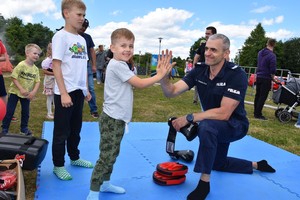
<point>220,88</point>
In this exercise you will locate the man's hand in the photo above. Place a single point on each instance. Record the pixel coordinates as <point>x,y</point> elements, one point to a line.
<point>94,69</point>
<point>180,122</point>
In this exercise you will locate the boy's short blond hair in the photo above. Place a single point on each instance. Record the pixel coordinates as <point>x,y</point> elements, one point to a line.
<point>121,32</point>
<point>68,4</point>
<point>29,47</point>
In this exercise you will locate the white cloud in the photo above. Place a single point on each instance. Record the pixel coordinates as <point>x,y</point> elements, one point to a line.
<point>175,26</point>
<point>276,20</point>
<point>116,12</point>
<point>168,24</point>
<point>163,22</point>
<point>279,19</point>
<point>57,15</point>
<point>263,9</point>
<point>26,9</point>
<point>267,22</point>
<point>280,34</point>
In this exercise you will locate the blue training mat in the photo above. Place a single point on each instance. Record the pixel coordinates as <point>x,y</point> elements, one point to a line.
<point>144,147</point>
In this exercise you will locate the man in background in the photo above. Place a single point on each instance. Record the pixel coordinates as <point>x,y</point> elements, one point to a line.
<point>199,56</point>
<point>91,67</point>
<point>100,63</point>
<point>265,73</point>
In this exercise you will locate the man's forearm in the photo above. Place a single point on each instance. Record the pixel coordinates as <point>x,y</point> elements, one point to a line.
<point>166,86</point>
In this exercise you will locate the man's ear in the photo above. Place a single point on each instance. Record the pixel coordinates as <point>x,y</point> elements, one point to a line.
<point>226,53</point>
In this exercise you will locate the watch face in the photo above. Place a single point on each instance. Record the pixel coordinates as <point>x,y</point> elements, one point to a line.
<point>190,118</point>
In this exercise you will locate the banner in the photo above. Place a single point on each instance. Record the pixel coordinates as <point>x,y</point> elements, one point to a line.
<point>154,60</point>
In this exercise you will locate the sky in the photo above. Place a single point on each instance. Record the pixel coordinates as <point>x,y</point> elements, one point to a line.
<point>178,22</point>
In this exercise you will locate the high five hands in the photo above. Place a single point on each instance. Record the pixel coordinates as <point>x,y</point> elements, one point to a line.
<point>164,65</point>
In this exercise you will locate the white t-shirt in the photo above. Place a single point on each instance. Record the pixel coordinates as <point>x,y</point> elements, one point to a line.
<point>118,94</point>
<point>71,50</point>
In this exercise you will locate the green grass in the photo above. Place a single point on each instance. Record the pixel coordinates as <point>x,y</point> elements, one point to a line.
<point>151,106</point>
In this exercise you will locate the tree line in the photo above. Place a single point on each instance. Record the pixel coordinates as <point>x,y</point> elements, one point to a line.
<point>16,35</point>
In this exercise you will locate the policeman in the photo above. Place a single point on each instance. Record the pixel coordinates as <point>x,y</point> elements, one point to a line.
<point>221,86</point>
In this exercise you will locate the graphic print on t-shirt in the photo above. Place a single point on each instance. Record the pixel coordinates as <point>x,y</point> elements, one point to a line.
<point>78,50</point>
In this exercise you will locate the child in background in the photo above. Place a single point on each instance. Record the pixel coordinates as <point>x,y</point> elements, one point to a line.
<point>118,106</point>
<point>24,86</point>
<point>297,125</point>
<point>48,81</point>
<point>69,56</point>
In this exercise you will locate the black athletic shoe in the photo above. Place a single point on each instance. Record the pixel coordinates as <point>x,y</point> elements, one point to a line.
<point>260,118</point>
<point>95,115</point>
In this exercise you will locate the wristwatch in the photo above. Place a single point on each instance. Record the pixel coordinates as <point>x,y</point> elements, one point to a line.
<point>190,118</point>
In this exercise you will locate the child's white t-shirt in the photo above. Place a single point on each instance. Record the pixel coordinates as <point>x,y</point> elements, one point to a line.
<point>71,50</point>
<point>118,94</point>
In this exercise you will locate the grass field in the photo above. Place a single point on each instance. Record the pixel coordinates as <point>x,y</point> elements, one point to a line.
<point>151,106</point>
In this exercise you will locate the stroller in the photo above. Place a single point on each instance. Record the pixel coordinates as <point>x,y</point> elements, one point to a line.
<point>288,94</point>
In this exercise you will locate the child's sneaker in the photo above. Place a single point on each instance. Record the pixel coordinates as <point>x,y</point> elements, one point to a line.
<point>297,125</point>
<point>26,132</point>
<point>95,115</point>
<point>4,131</point>
<point>50,116</point>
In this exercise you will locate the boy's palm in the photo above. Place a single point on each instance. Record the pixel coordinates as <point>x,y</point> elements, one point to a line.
<point>164,65</point>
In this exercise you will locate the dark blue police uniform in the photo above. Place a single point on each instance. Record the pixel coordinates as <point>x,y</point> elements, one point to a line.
<point>215,135</point>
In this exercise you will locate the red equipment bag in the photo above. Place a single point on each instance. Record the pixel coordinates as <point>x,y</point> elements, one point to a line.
<point>170,173</point>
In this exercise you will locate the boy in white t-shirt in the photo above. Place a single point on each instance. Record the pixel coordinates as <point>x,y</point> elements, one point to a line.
<point>69,56</point>
<point>117,106</point>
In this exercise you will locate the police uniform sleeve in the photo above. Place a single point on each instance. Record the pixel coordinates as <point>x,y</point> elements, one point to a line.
<point>237,85</point>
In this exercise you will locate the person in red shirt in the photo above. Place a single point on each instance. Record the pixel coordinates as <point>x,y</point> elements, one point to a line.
<point>3,94</point>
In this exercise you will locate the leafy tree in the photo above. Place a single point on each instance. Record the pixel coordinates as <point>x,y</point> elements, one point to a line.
<point>291,55</point>
<point>180,64</point>
<point>2,24</point>
<point>194,47</point>
<point>15,35</point>
<point>278,50</point>
<point>38,34</point>
<point>254,43</point>
<point>19,35</point>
